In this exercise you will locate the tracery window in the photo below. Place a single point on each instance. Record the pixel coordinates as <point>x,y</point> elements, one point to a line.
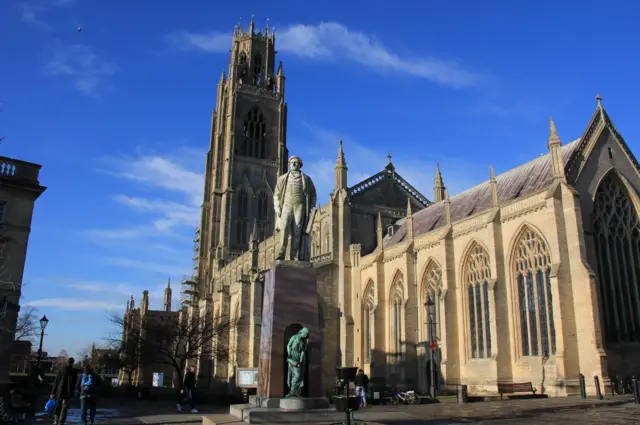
<point>397,295</point>
<point>254,133</point>
<point>242,220</point>
<point>532,264</point>
<point>263,215</point>
<point>617,241</point>
<point>477,273</point>
<point>243,58</point>
<point>257,69</point>
<point>432,290</point>
<point>368,320</point>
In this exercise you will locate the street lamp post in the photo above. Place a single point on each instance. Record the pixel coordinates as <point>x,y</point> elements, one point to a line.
<point>43,325</point>
<point>430,304</point>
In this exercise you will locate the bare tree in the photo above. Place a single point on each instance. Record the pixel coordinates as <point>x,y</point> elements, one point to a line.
<point>175,342</point>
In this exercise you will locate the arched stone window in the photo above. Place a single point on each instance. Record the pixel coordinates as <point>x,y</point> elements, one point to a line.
<point>254,134</point>
<point>368,316</point>
<point>476,274</point>
<point>617,241</point>
<point>242,220</point>
<point>243,58</point>
<point>432,290</point>
<point>397,308</point>
<point>263,215</point>
<point>532,268</point>
<point>327,244</point>
<point>257,69</point>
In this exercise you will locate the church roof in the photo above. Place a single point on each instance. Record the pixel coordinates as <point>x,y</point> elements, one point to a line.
<point>519,181</point>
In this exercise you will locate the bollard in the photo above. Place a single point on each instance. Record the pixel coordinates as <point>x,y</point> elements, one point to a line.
<point>583,387</point>
<point>636,389</point>
<point>599,395</point>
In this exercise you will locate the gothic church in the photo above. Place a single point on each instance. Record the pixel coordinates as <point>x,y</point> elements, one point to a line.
<point>531,276</point>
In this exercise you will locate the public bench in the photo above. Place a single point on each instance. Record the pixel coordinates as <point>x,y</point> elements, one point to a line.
<point>518,387</point>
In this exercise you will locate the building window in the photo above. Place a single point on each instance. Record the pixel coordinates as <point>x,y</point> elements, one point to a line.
<point>432,285</point>
<point>243,58</point>
<point>533,283</point>
<point>263,215</point>
<point>257,69</point>
<point>254,134</point>
<point>397,299</point>
<point>477,273</point>
<point>368,318</point>
<point>617,241</point>
<point>242,221</point>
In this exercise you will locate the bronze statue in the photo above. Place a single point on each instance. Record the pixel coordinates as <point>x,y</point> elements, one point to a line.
<point>293,200</point>
<point>296,351</point>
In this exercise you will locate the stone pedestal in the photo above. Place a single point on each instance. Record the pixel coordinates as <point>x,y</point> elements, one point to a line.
<point>290,303</point>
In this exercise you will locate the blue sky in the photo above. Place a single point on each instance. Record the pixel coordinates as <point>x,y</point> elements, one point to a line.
<point>119,114</point>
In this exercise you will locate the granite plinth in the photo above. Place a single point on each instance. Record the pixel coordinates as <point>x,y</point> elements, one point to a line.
<point>290,403</point>
<point>290,303</point>
<point>251,414</point>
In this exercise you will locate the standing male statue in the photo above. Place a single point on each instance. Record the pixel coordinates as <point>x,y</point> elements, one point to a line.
<point>296,350</point>
<point>293,201</point>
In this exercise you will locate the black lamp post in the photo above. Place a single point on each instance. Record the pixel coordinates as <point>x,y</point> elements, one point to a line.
<point>43,325</point>
<point>431,323</point>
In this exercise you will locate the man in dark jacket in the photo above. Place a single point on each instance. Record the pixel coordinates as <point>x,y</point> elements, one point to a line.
<point>63,389</point>
<point>86,387</point>
<point>188,390</point>
<point>362,381</point>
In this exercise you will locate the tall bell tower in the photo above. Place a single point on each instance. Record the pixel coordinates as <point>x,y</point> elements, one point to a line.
<point>247,153</point>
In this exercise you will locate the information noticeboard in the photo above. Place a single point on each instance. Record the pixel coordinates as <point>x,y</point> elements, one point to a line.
<point>247,377</point>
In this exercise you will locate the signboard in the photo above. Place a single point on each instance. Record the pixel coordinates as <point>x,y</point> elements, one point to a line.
<point>158,380</point>
<point>247,377</point>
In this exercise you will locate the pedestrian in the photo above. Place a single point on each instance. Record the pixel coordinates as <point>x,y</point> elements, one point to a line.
<point>362,381</point>
<point>87,385</point>
<point>188,390</point>
<point>63,389</point>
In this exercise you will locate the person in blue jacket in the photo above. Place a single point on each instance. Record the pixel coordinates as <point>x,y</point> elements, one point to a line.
<point>87,388</point>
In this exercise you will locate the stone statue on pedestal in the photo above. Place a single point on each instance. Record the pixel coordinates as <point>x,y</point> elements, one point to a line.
<point>294,199</point>
<point>296,351</point>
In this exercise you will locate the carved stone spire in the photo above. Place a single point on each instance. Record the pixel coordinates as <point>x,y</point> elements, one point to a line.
<point>555,151</point>
<point>132,303</point>
<point>341,169</point>
<point>167,296</point>
<point>379,232</point>
<point>438,185</point>
<point>409,220</point>
<point>494,186</point>
<point>223,78</point>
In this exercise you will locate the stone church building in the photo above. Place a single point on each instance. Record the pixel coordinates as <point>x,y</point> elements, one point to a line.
<point>533,275</point>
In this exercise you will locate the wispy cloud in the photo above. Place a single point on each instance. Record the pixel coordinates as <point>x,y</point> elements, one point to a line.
<point>333,40</point>
<point>364,161</point>
<point>30,10</point>
<point>83,66</point>
<point>157,268</point>
<point>74,304</point>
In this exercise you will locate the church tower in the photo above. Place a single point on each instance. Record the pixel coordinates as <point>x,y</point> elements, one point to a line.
<point>248,150</point>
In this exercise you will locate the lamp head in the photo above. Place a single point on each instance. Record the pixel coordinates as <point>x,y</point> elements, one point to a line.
<point>44,322</point>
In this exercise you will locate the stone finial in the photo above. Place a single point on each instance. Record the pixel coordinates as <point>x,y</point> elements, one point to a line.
<point>223,78</point>
<point>409,210</point>
<point>599,100</point>
<point>341,169</point>
<point>409,221</point>
<point>280,69</point>
<point>379,231</point>
<point>438,185</point>
<point>554,139</point>
<point>447,206</point>
<point>494,186</point>
<point>252,26</point>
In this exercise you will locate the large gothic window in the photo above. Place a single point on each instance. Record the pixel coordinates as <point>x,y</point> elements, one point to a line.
<point>432,290</point>
<point>477,273</point>
<point>617,241</point>
<point>263,215</point>
<point>242,219</point>
<point>254,134</point>
<point>368,308</point>
<point>258,72</point>
<point>397,298</point>
<point>532,267</point>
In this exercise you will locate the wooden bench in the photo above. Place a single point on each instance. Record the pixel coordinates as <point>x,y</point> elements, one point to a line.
<point>518,387</point>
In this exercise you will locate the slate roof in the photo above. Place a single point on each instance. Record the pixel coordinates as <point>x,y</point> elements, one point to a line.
<point>520,181</point>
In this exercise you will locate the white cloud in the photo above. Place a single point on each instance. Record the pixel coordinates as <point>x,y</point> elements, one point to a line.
<point>331,41</point>
<point>30,10</point>
<point>83,66</point>
<point>74,304</point>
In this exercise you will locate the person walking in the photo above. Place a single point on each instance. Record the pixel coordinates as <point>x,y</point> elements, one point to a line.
<point>188,390</point>
<point>362,381</point>
<point>87,385</point>
<point>63,389</point>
